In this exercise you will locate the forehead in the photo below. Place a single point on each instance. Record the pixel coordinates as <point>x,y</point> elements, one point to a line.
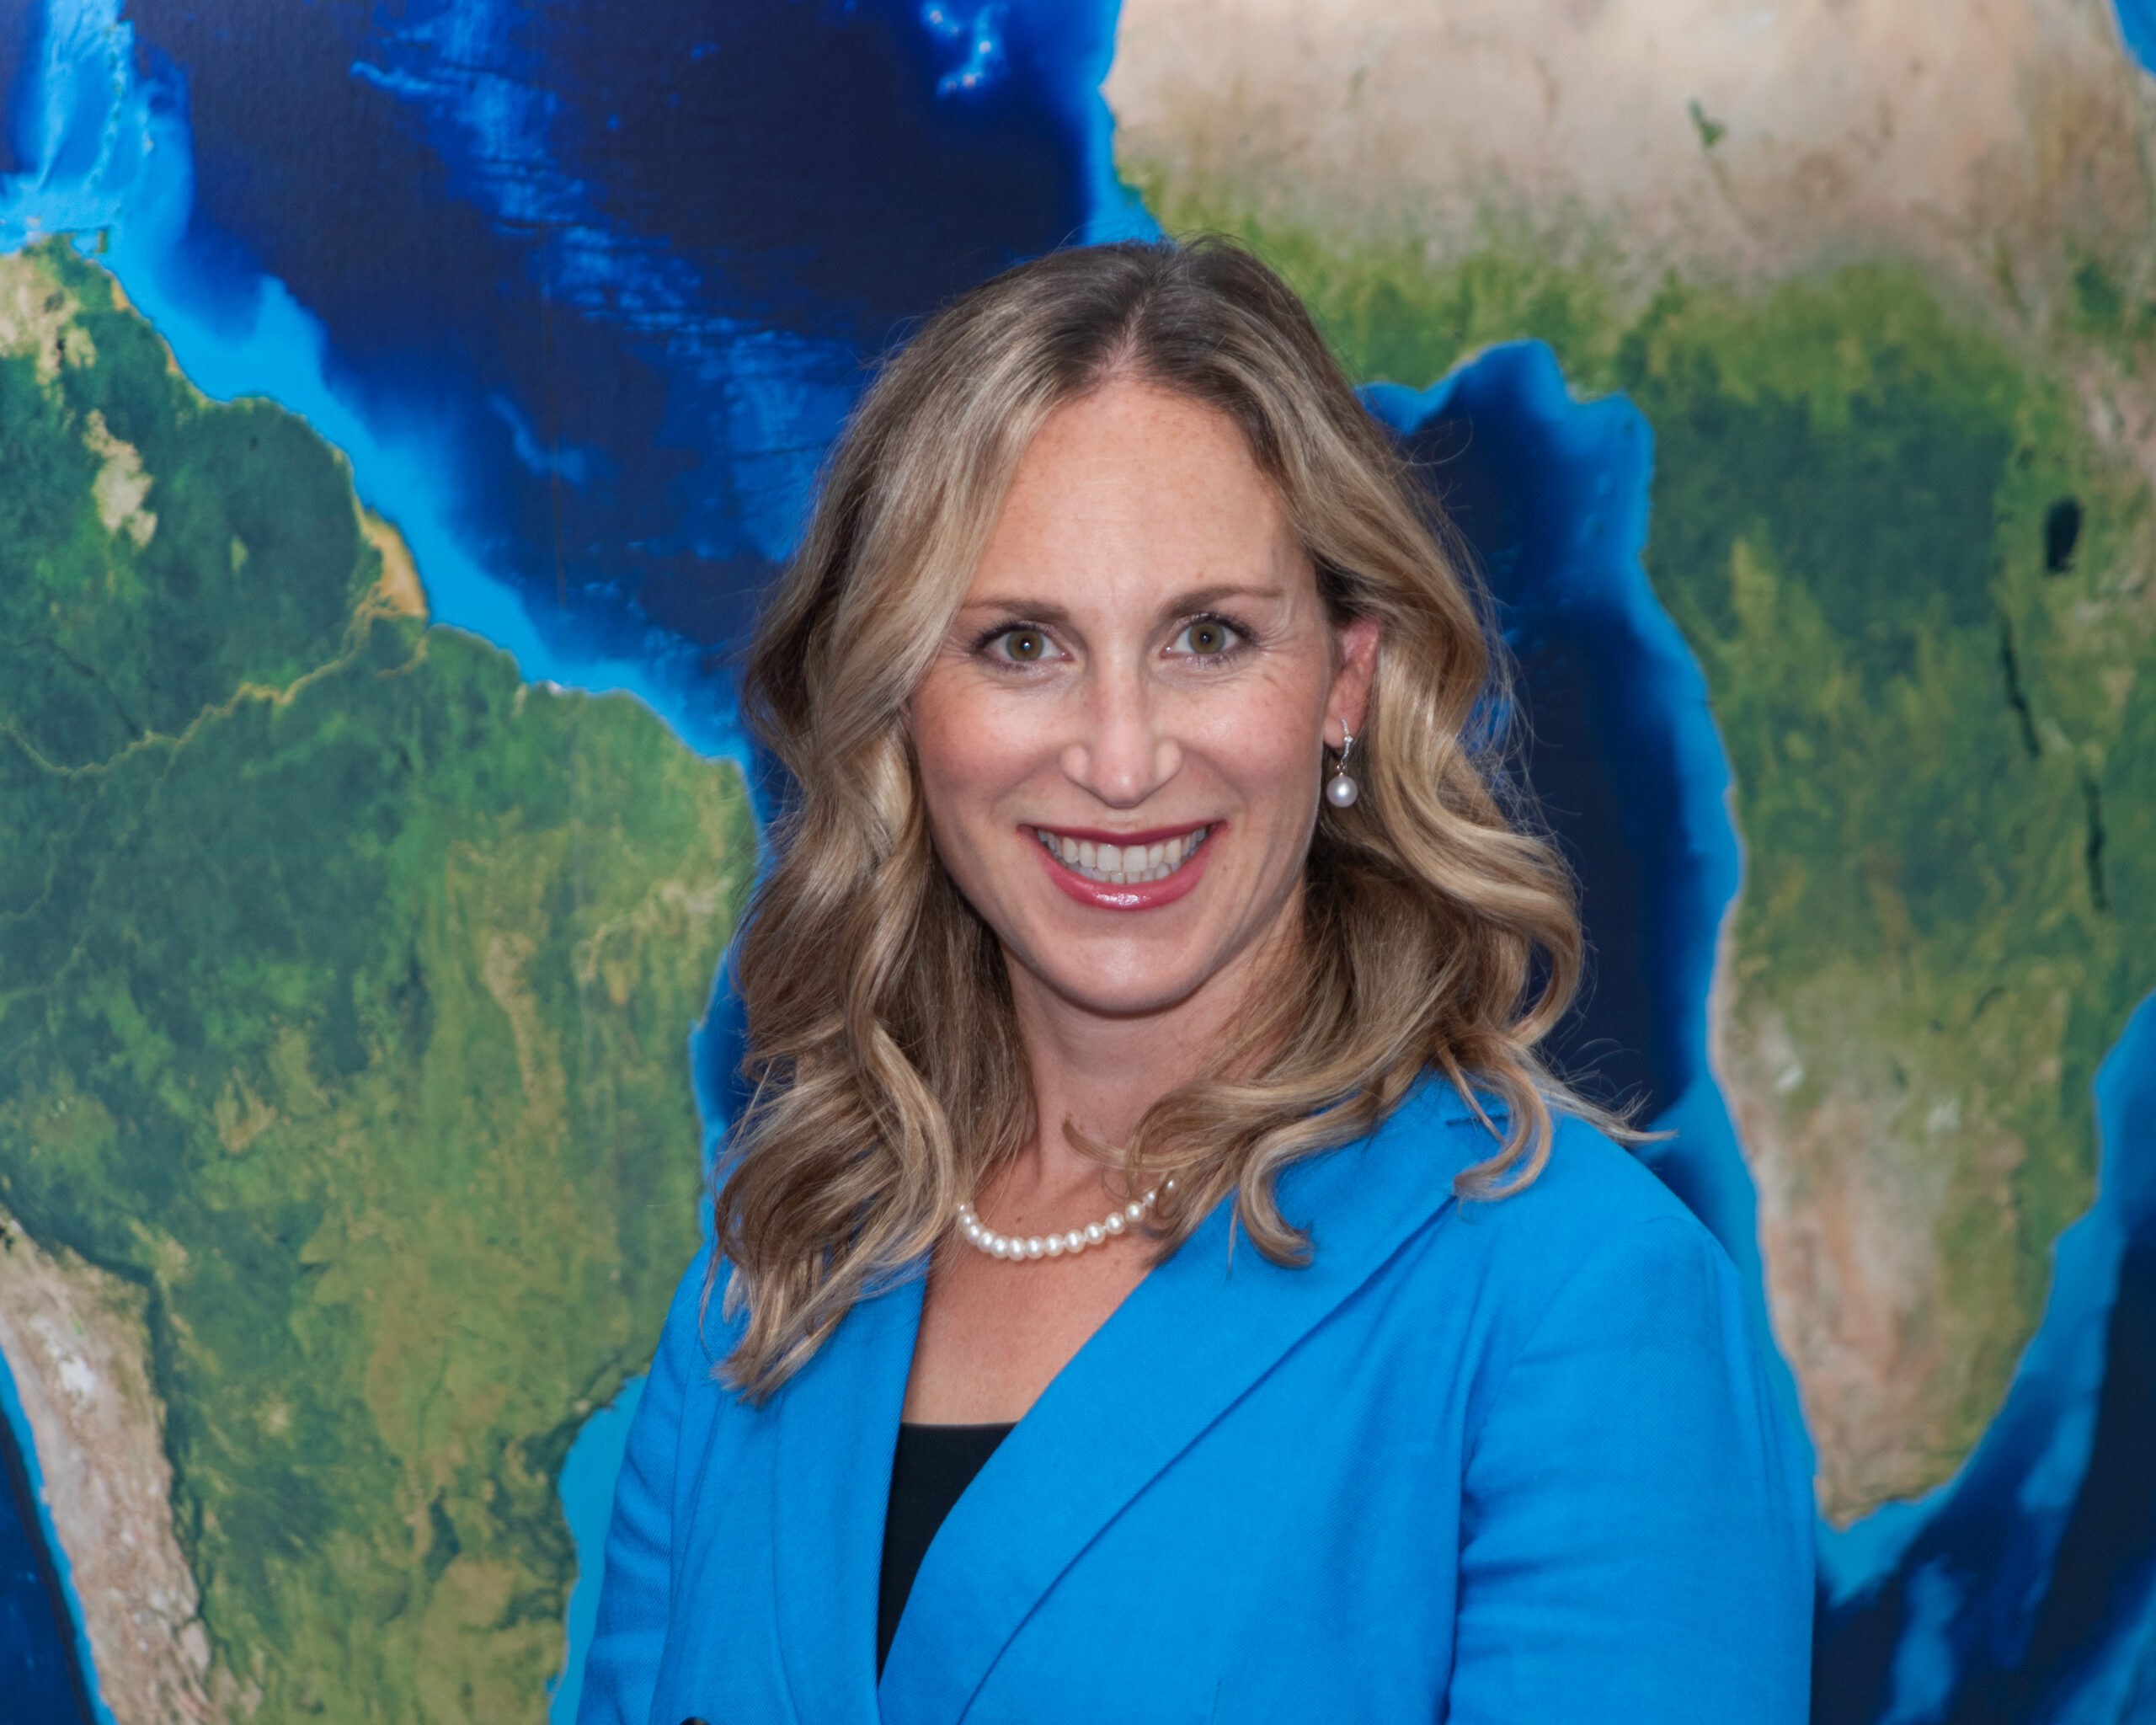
<point>1132,481</point>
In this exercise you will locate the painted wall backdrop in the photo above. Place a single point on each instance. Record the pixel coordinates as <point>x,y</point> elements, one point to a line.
<point>402,406</point>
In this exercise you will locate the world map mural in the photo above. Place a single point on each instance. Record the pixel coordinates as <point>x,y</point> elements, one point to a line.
<point>402,408</point>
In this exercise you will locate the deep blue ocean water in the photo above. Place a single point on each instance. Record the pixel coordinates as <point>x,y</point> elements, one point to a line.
<point>585,292</point>
<point>42,1669</point>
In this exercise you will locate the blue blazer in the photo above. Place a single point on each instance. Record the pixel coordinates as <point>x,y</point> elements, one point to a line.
<point>1501,1463</point>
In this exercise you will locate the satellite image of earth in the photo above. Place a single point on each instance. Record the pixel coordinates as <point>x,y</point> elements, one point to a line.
<point>400,408</point>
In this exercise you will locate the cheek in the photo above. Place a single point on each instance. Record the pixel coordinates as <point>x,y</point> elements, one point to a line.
<point>966,754</point>
<point>1267,748</point>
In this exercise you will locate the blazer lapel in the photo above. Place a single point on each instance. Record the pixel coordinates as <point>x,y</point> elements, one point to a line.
<point>838,1426</point>
<point>1196,1333</point>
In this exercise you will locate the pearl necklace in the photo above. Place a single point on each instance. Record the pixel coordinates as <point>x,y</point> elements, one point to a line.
<point>1039,1246</point>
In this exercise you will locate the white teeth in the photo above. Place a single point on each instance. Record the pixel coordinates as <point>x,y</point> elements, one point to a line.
<point>1122,865</point>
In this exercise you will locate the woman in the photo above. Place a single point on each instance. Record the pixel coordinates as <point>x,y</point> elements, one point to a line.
<point>1144,890</point>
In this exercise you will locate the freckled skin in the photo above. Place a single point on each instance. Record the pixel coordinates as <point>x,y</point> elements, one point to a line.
<point>1088,683</point>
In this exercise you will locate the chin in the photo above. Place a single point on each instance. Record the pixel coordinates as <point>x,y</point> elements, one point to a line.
<point>1124,990</point>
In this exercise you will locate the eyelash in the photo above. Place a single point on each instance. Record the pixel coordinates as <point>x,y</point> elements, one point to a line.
<point>1243,639</point>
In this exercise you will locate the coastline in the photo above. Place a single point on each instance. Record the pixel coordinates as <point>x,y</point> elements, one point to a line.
<point>2050,1414</point>
<point>1992,1546</point>
<point>75,1384</point>
<point>587,1494</point>
<point>1576,584</point>
<point>82,1667</point>
<point>1926,1577</point>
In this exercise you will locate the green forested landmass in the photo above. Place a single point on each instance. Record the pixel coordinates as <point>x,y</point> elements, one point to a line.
<point>1919,587</point>
<point>344,986</point>
<point>1944,738</point>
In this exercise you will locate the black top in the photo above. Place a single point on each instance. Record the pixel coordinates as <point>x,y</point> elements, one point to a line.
<point>932,1466</point>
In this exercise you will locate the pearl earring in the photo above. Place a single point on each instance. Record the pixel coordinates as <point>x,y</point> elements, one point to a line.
<point>1341,791</point>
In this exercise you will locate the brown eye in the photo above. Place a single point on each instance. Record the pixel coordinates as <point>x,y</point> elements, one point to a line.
<point>1025,645</point>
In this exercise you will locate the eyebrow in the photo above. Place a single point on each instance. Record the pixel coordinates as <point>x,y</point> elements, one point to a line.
<point>1177,605</point>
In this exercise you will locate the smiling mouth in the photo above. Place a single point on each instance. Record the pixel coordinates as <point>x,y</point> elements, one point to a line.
<point>1122,865</point>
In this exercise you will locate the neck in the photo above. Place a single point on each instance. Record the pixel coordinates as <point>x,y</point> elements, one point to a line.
<point>1102,1073</point>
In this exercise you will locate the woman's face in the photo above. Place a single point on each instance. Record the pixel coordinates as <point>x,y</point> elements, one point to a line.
<point>1121,743</point>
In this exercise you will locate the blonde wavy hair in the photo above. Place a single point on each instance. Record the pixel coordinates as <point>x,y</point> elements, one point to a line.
<point>1438,933</point>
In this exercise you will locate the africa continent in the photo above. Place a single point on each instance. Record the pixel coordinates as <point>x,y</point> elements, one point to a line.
<point>1882,279</point>
<point>348,1148</point>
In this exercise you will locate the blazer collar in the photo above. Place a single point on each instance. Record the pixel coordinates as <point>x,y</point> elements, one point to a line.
<point>838,1426</point>
<point>1196,1334</point>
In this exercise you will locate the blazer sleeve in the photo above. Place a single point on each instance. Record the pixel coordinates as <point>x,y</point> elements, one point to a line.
<point>621,1672</point>
<point>1636,1542</point>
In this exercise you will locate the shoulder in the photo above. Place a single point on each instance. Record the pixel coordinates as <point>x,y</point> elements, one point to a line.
<point>1597,1215</point>
<point>1590,1189</point>
<point>699,1331</point>
<point>1597,1244</point>
<point>1632,1478</point>
<point>1595,1253</point>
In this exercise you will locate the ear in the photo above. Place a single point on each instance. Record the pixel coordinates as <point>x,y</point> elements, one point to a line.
<point>1351,681</point>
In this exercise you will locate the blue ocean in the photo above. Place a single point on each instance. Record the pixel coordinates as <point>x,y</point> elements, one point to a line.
<point>584,293</point>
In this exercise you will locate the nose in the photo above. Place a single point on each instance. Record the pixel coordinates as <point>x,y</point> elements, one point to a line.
<point>1121,753</point>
